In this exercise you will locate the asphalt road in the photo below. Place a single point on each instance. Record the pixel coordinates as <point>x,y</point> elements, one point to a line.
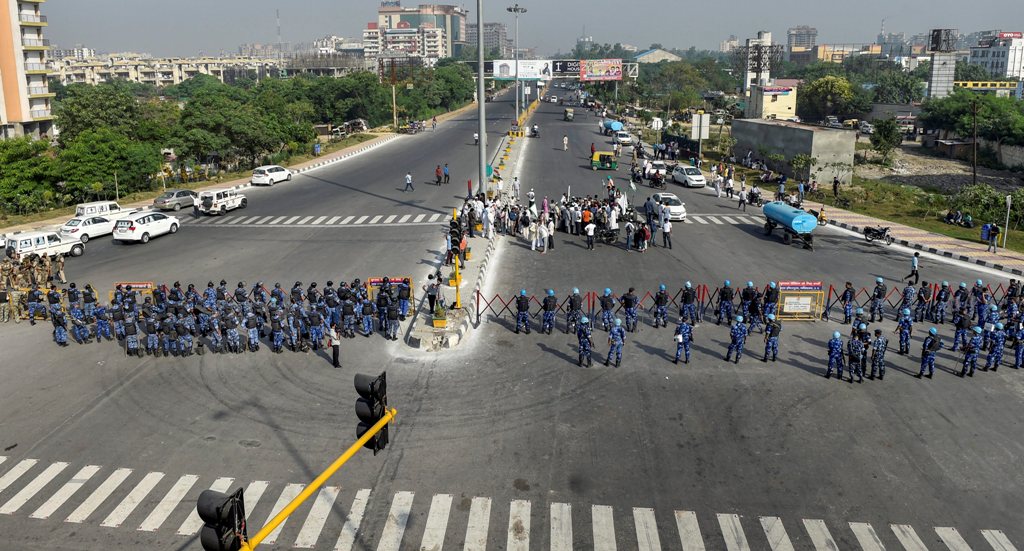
<point>504,439</point>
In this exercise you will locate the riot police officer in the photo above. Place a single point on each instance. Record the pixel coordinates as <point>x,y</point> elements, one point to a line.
<point>616,338</point>
<point>725,297</point>
<point>878,299</point>
<point>550,308</point>
<point>607,303</point>
<point>575,310</point>
<point>737,338</point>
<point>771,338</point>
<point>929,348</point>
<point>688,307</point>
<point>586,343</point>
<point>683,338</point>
<point>661,300</point>
<point>629,302</point>
<point>522,312</point>
<point>771,298</point>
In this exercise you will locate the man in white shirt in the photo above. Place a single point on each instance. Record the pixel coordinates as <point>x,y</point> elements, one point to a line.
<point>589,231</point>
<point>666,233</point>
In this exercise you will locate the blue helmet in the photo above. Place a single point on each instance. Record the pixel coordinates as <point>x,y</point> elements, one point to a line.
<point>978,283</point>
<point>739,319</point>
<point>584,319</point>
<point>836,335</point>
<point>860,311</point>
<point>863,327</point>
<point>607,291</point>
<point>522,292</point>
<point>933,331</point>
<point>906,312</point>
<point>879,280</point>
<point>945,284</point>
<point>963,285</point>
<point>727,283</point>
<point>993,308</point>
<point>661,287</point>
<point>575,290</point>
<point>551,292</point>
<point>750,284</point>
<point>771,284</point>
<point>999,326</point>
<point>688,285</point>
<point>618,322</point>
<point>976,329</point>
<point>771,317</point>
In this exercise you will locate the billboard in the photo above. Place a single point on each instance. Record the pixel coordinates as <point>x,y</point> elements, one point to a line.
<point>529,69</point>
<point>600,69</point>
<point>1011,35</point>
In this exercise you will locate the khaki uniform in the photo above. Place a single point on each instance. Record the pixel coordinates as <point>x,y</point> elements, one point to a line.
<point>58,269</point>
<point>5,305</point>
<point>45,270</point>
<point>6,273</point>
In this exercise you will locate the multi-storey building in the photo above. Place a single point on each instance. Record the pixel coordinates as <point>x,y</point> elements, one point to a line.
<point>76,52</point>
<point>495,37</point>
<point>159,71</point>
<point>452,19</point>
<point>1002,56</point>
<point>25,107</point>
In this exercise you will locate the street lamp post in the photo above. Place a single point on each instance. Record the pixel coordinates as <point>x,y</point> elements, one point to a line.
<point>516,9</point>
<point>481,100</point>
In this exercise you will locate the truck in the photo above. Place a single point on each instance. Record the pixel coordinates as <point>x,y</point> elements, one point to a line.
<point>796,224</point>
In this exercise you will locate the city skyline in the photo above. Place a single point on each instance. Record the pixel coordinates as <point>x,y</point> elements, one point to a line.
<point>542,27</point>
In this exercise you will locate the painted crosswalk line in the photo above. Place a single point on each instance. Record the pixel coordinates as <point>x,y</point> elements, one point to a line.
<point>95,499</point>
<point>998,540</point>
<point>646,530</point>
<point>519,526</point>
<point>732,532</point>
<point>778,539</point>
<point>866,536</point>
<point>193,523</point>
<point>11,476</point>
<point>66,492</point>
<point>394,526</point>
<point>308,221</point>
<point>561,527</point>
<point>166,506</point>
<point>689,531</point>
<point>287,495</point>
<point>437,523</point>
<point>479,521</point>
<point>820,536</point>
<point>32,488</point>
<point>350,531</point>
<point>953,540</point>
<point>603,526</point>
<point>132,500</point>
<point>317,517</point>
<point>908,537</point>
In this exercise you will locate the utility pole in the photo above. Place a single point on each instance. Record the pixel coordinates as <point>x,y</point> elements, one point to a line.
<point>481,101</point>
<point>516,9</point>
<point>974,146</point>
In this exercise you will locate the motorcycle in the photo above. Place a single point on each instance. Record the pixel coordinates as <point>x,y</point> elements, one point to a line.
<point>756,200</point>
<point>608,236</point>
<point>820,215</point>
<point>657,181</point>
<point>879,233</point>
<point>536,132</point>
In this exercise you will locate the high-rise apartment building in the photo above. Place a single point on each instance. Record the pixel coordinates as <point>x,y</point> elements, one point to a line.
<point>1002,56</point>
<point>24,95</point>
<point>452,19</point>
<point>801,36</point>
<point>495,37</point>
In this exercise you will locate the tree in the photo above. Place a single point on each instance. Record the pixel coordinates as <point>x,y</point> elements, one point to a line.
<point>97,155</point>
<point>802,164</point>
<point>970,71</point>
<point>897,87</point>
<point>886,138</point>
<point>87,107</point>
<point>829,95</point>
<point>27,168</point>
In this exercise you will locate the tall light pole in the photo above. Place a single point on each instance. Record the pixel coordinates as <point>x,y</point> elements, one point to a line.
<point>481,100</point>
<point>516,9</point>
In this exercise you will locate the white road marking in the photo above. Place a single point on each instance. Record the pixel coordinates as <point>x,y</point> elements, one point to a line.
<point>394,526</point>
<point>646,529</point>
<point>263,220</point>
<point>390,219</point>
<point>65,492</point>
<point>518,525</point>
<point>287,495</point>
<point>435,217</point>
<point>352,521</point>
<point>193,523</point>
<point>360,220</point>
<point>305,220</point>
<point>160,513</point>
<point>100,495</point>
<point>11,476</point>
<point>376,219</point>
<point>561,527</point>
<point>32,488</point>
<point>419,217</point>
<point>346,220</point>
<point>278,220</point>
<point>952,539</point>
<point>820,535</point>
<point>223,219</point>
<point>132,500</point>
<point>716,220</point>
<point>998,540</point>
<point>689,531</point>
<point>908,537</point>
<point>404,218</point>
<point>479,521</point>
<point>729,220</point>
<point>333,220</point>
<point>319,220</point>
<point>778,539</point>
<point>291,220</point>
<point>252,495</point>
<point>437,523</point>
<point>603,522</point>
<point>699,220</point>
<point>866,536</point>
<point>732,532</point>
<point>317,517</point>
<point>4,457</point>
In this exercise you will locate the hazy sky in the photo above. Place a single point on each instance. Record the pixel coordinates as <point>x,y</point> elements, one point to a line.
<point>187,27</point>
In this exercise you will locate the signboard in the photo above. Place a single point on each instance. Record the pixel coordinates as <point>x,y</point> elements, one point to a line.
<point>1012,35</point>
<point>701,128</point>
<point>797,305</point>
<point>776,91</point>
<point>600,69</point>
<point>529,69</point>
<point>565,67</point>
<point>800,286</point>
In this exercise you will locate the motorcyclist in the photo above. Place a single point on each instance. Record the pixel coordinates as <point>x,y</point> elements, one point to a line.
<point>476,138</point>
<point>536,131</point>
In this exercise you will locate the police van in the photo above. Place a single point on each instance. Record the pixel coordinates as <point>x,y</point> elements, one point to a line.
<point>108,209</point>
<point>220,201</point>
<point>48,243</point>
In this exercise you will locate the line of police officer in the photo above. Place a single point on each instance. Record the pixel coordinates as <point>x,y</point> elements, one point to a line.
<point>169,321</point>
<point>751,315</point>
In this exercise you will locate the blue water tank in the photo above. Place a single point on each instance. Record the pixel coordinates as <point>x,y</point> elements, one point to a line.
<point>792,218</point>
<point>614,126</point>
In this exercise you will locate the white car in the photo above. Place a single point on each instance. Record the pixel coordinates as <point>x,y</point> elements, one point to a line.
<point>42,243</point>
<point>220,201</point>
<point>269,175</point>
<point>87,227</point>
<point>866,127</point>
<point>653,167</point>
<point>623,137</point>
<point>688,176</point>
<point>676,208</point>
<point>143,226</point>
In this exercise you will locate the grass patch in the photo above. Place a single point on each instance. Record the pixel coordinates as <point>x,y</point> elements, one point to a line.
<point>9,220</point>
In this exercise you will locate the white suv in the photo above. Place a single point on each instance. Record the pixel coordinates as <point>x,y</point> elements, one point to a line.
<point>220,201</point>
<point>141,226</point>
<point>269,175</point>
<point>42,243</point>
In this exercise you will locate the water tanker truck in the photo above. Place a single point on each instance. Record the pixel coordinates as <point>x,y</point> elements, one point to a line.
<point>794,223</point>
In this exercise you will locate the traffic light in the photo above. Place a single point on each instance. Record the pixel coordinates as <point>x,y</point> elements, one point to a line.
<point>371,406</point>
<point>224,518</point>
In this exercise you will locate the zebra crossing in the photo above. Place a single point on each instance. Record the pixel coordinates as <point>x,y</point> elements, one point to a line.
<point>325,221</point>
<point>722,219</point>
<point>155,502</point>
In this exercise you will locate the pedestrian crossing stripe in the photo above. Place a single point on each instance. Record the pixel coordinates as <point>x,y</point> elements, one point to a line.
<point>161,502</point>
<point>721,219</point>
<point>319,221</point>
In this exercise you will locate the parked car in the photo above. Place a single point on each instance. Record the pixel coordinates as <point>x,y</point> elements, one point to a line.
<point>142,226</point>
<point>688,176</point>
<point>655,167</point>
<point>866,127</point>
<point>269,175</point>
<point>49,243</point>
<point>676,208</point>
<point>175,199</point>
<point>220,201</point>
<point>101,208</point>
<point>85,228</point>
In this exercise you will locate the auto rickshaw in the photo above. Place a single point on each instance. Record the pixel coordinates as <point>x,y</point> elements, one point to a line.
<point>604,160</point>
<point>569,114</point>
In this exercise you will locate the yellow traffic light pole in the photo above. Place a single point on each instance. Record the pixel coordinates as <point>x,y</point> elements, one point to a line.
<point>316,484</point>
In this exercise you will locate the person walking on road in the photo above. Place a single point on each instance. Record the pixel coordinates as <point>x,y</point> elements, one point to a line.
<point>438,174</point>
<point>835,187</point>
<point>589,230</point>
<point>993,238</point>
<point>408,182</point>
<point>742,204</point>
<point>565,143</point>
<point>913,268</point>
<point>447,176</point>
<point>666,234</point>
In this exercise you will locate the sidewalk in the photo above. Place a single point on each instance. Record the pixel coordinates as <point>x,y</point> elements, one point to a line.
<point>966,251</point>
<point>236,184</point>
